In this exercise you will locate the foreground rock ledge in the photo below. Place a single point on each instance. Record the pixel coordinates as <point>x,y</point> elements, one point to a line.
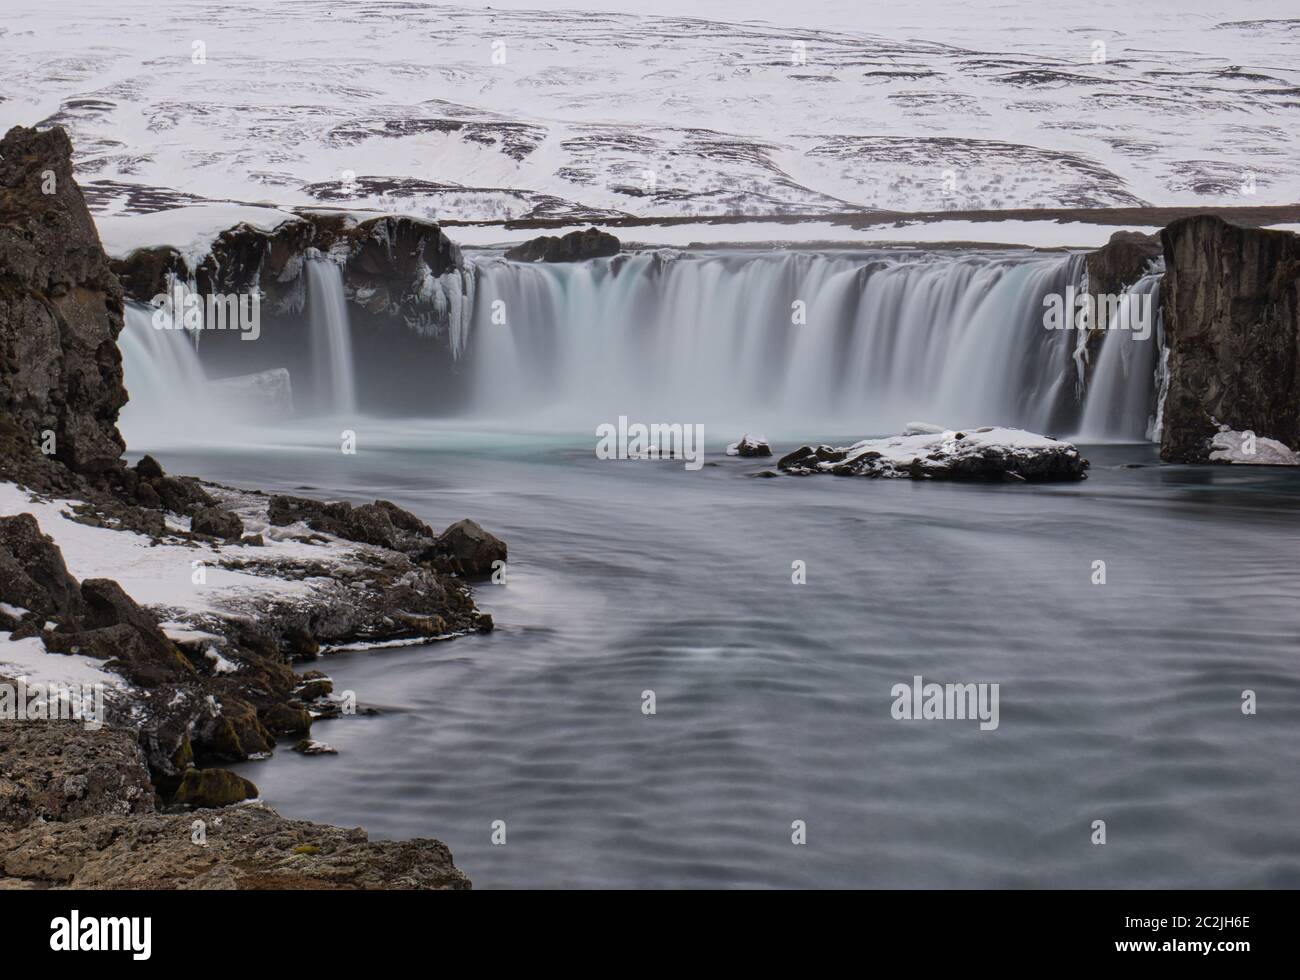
<point>243,847</point>
<point>77,810</point>
<point>928,452</point>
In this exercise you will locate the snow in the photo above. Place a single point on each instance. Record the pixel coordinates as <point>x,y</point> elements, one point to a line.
<point>160,576</point>
<point>1004,95</point>
<point>1040,234</point>
<point>219,663</point>
<point>182,633</point>
<point>13,612</point>
<point>753,443</point>
<point>923,439</point>
<point>190,230</point>
<point>28,658</point>
<point>1230,446</point>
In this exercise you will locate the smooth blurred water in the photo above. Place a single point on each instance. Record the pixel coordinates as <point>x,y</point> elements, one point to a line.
<point>1118,702</point>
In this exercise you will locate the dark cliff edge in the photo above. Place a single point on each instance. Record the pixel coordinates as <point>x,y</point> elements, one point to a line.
<point>186,703</point>
<point>60,306</point>
<point>1231,307</point>
<point>409,297</point>
<point>388,262</point>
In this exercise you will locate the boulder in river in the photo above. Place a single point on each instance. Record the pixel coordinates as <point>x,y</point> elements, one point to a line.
<point>985,454</point>
<point>470,549</point>
<point>750,446</point>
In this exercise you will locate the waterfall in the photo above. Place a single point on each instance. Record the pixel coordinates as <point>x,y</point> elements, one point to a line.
<point>851,342</point>
<point>1120,405</point>
<point>331,338</point>
<point>162,375</point>
<point>794,344</point>
<point>170,396</point>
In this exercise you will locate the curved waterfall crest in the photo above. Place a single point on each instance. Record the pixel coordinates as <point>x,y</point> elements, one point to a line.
<point>856,340</point>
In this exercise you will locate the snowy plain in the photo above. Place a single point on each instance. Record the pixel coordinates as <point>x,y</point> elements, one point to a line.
<point>509,111</point>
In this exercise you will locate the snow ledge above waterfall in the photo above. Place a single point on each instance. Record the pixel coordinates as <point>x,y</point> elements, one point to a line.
<point>926,452</point>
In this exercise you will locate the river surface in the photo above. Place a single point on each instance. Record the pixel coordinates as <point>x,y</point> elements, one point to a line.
<point>1118,702</point>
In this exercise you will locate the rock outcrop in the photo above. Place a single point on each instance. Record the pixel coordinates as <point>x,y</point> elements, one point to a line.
<point>926,452</point>
<point>1120,263</point>
<point>587,243</point>
<point>396,268</point>
<point>750,447</point>
<point>1231,307</point>
<point>56,770</point>
<point>464,548</point>
<point>380,523</point>
<point>238,847</point>
<point>469,550</point>
<point>77,810</point>
<point>60,308</point>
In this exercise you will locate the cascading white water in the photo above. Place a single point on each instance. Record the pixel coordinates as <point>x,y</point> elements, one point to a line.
<point>162,375</point>
<point>331,339</point>
<point>1120,404</point>
<point>718,337</point>
<point>794,343</point>
<point>170,395</point>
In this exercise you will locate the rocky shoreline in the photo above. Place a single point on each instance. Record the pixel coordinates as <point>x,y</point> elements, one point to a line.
<point>240,588</point>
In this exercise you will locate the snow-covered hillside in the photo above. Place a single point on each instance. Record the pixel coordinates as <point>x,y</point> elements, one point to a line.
<point>824,106</point>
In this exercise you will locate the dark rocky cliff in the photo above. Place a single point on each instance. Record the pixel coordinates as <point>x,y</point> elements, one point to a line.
<point>1231,302</point>
<point>60,308</point>
<point>409,295</point>
<point>390,266</point>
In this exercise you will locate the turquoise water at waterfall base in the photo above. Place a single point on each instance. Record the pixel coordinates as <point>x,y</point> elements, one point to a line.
<point>1118,702</point>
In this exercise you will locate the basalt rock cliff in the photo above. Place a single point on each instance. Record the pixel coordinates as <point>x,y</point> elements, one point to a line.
<point>60,309</point>
<point>409,297</point>
<point>1231,306</point>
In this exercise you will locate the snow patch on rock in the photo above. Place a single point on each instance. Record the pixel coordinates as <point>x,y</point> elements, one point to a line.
<point>926,451</point>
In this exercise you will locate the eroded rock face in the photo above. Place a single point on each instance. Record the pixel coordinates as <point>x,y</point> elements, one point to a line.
<point>244,847</point>
<point>394,267</point>
<point>588,243</point>
<point>380,523</point>
<point>60,307</point>
<point>57,770</point>
<point>1121,262</point>
<point>1231,304</point>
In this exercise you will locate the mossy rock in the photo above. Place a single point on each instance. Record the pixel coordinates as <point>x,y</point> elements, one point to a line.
<point>285,720</point>
<point>213,788</point>
<point>311,690</point>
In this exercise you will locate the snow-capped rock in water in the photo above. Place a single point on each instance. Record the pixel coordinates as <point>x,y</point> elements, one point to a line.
<point>750,446</point>
<point>925,452</point>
